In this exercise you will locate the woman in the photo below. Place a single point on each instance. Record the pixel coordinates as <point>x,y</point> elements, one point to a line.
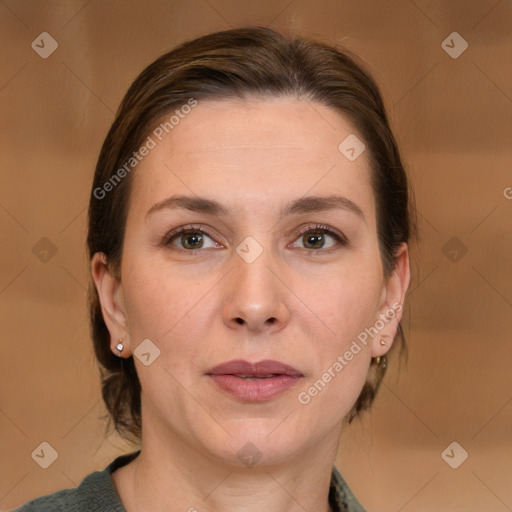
<point>248,231</point>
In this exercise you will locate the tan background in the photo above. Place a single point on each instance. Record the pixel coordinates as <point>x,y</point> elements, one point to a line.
<point>452,119</point>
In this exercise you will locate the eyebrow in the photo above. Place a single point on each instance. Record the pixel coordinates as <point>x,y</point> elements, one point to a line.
<point>307,204</point>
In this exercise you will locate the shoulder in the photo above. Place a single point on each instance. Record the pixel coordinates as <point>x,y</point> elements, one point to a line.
<point>95,493</point>
<point>341,497</point>
<point>80,498</point>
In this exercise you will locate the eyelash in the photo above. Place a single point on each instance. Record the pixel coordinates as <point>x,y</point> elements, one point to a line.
<point>315,228</point>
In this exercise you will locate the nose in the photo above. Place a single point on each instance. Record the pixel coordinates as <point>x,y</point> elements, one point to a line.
<point>256,296</point>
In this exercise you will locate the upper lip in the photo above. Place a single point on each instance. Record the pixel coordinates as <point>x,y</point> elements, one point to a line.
<point>259,368</point>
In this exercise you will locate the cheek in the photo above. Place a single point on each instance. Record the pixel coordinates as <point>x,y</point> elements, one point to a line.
<point>345,302</point>
<point>331,396</point>
<point>340,360</point>
<point>167,307</point>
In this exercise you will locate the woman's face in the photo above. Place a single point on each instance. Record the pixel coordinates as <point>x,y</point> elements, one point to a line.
<point>279,263</point>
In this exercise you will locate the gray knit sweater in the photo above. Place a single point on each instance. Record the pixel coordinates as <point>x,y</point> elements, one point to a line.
<point>97,493</point>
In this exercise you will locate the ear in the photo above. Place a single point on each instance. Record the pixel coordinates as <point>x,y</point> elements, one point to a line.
<point>390,309</point>
<point>110,292</point>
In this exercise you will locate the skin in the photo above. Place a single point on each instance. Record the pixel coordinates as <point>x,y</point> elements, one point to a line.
<point>208,306</point>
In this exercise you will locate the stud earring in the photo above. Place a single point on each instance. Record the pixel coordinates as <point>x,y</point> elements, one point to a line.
<point>120,347</point>
<point>383,342</point>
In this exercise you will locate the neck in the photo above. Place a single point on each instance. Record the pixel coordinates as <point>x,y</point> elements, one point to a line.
<point>179,478</point>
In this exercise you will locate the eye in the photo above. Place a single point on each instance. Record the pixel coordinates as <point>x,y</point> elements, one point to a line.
<point>312,238</point>
<point>188,239</point>
<point>319,238</point>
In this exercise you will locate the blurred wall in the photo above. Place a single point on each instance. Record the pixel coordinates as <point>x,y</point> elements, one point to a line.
<point>451,109</point>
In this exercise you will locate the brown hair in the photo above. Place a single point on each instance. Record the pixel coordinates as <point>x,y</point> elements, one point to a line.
<point>238,63</point>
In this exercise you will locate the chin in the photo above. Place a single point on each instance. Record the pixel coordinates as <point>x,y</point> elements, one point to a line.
<point>258,442</point>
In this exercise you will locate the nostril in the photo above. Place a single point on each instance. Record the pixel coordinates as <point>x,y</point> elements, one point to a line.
<point>241,321</point>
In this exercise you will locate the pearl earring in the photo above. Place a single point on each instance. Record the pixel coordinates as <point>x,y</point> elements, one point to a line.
<point>383,342</point>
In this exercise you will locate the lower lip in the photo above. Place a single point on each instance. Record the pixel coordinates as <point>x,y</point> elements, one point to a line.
<point>256,390</point>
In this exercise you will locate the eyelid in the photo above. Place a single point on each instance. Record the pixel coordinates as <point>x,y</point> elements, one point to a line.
<point>323,227</point>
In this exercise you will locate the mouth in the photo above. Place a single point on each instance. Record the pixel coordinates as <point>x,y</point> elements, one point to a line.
<point>254,382</point>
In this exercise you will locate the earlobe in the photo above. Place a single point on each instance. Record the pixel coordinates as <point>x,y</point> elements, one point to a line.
<point>391,309</point>
<point>110,293</point>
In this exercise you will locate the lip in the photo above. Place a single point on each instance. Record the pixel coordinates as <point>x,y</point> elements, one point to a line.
<point>268,379</point>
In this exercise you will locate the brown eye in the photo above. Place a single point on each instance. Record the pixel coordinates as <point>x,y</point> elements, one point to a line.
<point>192,240</point>
<point>313,240</point>
<point>316,239</point>
<point>189,239</point>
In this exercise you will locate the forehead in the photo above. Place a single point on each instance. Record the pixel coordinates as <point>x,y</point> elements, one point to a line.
<point>254,151</point>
